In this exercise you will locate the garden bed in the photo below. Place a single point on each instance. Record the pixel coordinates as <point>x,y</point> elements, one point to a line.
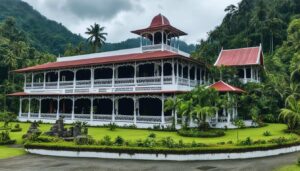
<point>204,134</point>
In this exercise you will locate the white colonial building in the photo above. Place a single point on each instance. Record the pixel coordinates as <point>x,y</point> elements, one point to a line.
<point>124,86</point>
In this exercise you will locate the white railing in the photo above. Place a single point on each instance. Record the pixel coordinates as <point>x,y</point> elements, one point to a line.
<point>170,48</point>
<point>28,85</point>
<point>48,115</point>
<point>183,81</point>
<point>151,47</point>
<point>66,115</point>
<point>83,83</point>
<point>167,79</point>
<point>124,117</point>
<point>34,115</point>
<point>148,119</point>
<point>124,81</point>
<point>104,117</point>
<point>103,82</point>
<point>148,80</point>
<point>82,116</point>
<point>66,84</point>
<point>193,83</point>
<point>37,85</point>
<point>168,118</point>
<point>222,119</point>
<point>24,115</point>
<point>51,85</point>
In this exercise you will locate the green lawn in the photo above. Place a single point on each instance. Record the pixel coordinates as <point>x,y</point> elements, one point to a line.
<point>134,134</point>
<point>293,167</point>
<point>7,152</point>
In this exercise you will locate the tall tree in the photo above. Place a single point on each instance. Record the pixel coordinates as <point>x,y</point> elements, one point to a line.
<point>97,36</point>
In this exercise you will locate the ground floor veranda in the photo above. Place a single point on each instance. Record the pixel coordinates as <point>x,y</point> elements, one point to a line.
<point>143,110</point>
<point>126,109</point>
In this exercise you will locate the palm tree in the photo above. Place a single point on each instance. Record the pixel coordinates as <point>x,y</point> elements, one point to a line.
<point>202,112</point>
<point>291,114</point>
<point>172,104</point>
<point>96,36</point>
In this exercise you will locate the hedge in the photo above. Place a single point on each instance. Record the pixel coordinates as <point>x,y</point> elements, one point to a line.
<point>203,134</point>
<point>156,150</point>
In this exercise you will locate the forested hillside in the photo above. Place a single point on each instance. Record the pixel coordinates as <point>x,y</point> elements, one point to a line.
<point>276,25</point>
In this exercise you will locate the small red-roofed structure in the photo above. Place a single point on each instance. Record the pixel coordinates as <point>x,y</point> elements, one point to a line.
<point>248,61</point>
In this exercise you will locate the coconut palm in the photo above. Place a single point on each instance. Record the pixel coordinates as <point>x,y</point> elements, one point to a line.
<point>172,104</point>
<point>291,114</point>
<point>202,112</point>
<point>96,36</point>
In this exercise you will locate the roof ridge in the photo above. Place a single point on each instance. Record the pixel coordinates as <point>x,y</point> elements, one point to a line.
<point>240,48</point>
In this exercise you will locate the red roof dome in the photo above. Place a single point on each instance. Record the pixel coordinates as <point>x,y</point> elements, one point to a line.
<point>159,20</point>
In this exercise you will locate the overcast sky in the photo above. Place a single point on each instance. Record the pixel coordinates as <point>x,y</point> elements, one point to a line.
<point>195,17</point>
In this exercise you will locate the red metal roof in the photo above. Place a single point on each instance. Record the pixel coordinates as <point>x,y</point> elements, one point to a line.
<point>106,60</point>
<point>88,94</point>
<point>240,57</point>
<point>224,87</point>
<point>160,22</point>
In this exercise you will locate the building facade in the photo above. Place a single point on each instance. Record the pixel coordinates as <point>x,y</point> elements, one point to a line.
<point>124,86</point>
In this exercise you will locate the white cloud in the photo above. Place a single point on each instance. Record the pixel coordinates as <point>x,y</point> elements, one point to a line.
<point>195,17</point>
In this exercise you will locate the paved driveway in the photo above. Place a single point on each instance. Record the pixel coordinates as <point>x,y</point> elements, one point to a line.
<point>31,162</point>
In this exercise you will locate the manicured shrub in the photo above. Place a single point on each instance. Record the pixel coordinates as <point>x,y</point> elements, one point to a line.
<point>197,133</point>
<point>17,128</point>
<point>46,138</point>
<point>267,133</point>
<point>229,142</point>
<point>257,142</point>
<point>148,142</point>
<point>5,138</point>
<point>112,126</point>
<point>106,141</point>
<point>152,135</point>
<point>247,141</point>
<point>168,142</point>
<point>221,143</point>
<point>279,141</point>
<point>84,140</point>
<point>119,141</point>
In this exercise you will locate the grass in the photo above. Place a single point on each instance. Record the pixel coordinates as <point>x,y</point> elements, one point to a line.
<point>7,152</point>
<point>277,130</point>
<point>293,167</point>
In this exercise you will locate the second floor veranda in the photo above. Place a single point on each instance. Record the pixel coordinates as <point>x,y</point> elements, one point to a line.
<point>148,73</point>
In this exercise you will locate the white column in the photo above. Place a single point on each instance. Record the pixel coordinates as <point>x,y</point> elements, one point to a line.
<point>57,110</point>
<point>40,107</point>
<point>173,72</point>
<point>25,80</point>
<point>228,116</point>
<point>195,75</point>
<point>29,106</point>
<point>175,113</point>
<point>189,72</point>
<point>201,80</point>
<point>113,109</point>
<point>134,107</point>
<point>252,74</point>
<point>92,108</point>
<point>73,107</point>
<point>217,116</point>
<point>74,80</point>
<point>58,78</point>
<point>135,74</point>
<point>92,77</point>
<point>113,76</point>
<point>44,79</point>
<point>32,76</point>
<point>257,70</point>
<point>162,72</point>
<point>20,108</point>
<point>177,71</point>
<point>162,109</point>
<point>162,40</point>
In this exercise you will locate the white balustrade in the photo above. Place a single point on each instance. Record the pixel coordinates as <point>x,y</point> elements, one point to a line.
<point>82,116</point>
<point>66,115</point>
<point>151,47</point>
<point>34,115</point>
<point>124,117</point>
<point>103,82</point>
<point>24,115</point>
<point>167,79</point>
<point>148,80</point>
<point>66,84</point>
<point>38,85</point>
<point>83,84</point>
<point>183,81</point>
<point>48,115</point>
<point>156,119</point>
<point>51,85</point>
<point>124,81</point>
<point>193,83</point>
<point>103,117</point>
